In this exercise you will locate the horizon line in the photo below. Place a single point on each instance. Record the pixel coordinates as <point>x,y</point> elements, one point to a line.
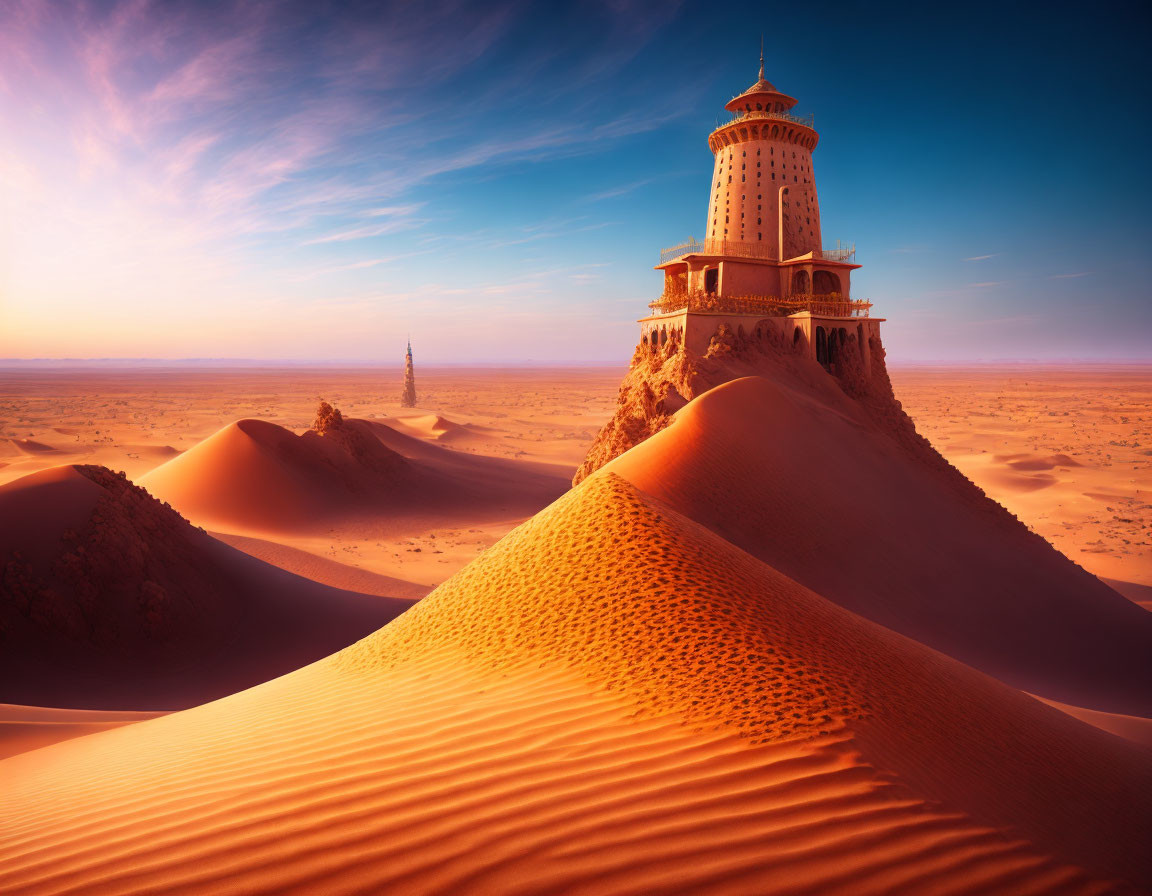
<point>194,362</point>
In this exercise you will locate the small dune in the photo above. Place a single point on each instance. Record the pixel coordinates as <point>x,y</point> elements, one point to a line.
<point>29,446</point>
<point>257,477</point>
<point>1027,463</point>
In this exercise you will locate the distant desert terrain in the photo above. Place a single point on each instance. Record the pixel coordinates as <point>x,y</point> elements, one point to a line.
<point>1068,449</point>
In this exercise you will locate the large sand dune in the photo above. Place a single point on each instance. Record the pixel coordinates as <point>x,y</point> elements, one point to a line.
<point>256,476</point>
<point>109,600</point>
<point>808,482</point>
<point>611,700</point>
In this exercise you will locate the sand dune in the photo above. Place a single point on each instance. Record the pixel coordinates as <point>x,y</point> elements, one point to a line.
<point>113,601</point>
<point>24,728</point>
<point>440,429</point>
<point>321,569</point>
<point>611,700</point>
<point>29,446</point>
<point>255,476</point>
<point>808,482</point>
<point>1134,728</point>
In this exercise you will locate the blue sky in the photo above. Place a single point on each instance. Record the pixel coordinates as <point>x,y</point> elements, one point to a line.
<point>317,181</point>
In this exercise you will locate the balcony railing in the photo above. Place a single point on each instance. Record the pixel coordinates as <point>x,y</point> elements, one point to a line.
<point>809,121</point>
<point>831,305</point>
<point>746,250</point>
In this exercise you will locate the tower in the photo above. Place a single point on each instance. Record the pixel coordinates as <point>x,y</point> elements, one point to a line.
<point>408,398</point>
<point>761,258</point>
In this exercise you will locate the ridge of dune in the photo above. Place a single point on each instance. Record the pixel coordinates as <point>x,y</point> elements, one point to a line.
<point>111,600</point>
<point>323,569</point>
<point>613,699</point>
<point>262,475</point>
<point>24,728</point>
<point>805,480</point>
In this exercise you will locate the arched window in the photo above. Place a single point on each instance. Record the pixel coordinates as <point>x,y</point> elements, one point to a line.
<point>801,285</point>
<point>825,282</point>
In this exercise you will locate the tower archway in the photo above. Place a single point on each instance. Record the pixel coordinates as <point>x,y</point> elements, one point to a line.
<point>825,283</point>
<point>801,283</point>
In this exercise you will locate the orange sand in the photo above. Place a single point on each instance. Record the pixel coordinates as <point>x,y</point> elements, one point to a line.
<point>675,717</point>
<point>1067,449</point>
<point>613,698</point>
<point>536,422</point>
<point>135,420</point>
<point>812,486</point>
<point>24,728</point>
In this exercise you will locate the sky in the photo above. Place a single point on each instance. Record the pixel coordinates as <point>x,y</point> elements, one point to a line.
<point>321,180</point>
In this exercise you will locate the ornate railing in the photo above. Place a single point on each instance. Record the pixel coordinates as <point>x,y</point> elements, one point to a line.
<point>840,253</point>
<point>689,247</point>
<point>739,249</point>
<point>831,305</point>
<point>809,121</point>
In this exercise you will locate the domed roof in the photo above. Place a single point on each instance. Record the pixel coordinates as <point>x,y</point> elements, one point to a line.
<point>763,91</point>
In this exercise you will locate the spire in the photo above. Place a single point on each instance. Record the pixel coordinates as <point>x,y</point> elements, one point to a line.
<point>408,396</point>
<point>761,78</point>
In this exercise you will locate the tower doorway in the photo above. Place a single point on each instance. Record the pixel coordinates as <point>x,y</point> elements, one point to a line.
<point>801,285</point>
<point>711,280</point>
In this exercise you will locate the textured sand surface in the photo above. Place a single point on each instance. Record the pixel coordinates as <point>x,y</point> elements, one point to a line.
<point>814,486</point>
<point>675,717</point>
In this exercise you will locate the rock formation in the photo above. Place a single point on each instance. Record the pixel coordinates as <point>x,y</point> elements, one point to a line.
<point>327,419</point>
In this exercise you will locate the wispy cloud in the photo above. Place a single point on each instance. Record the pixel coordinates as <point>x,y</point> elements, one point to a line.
<point>987,284</point>
<point>360,233</point>
<point>982,257</point>
<point>622,190</point>
<point>1070,276</point>
<point>216,153</point>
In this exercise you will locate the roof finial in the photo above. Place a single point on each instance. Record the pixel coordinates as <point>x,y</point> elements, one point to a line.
<point>761,56</point>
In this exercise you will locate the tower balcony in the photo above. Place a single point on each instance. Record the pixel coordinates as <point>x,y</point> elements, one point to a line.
<point>823,305</point>
<point>739,249</point>
<point>808,121</point>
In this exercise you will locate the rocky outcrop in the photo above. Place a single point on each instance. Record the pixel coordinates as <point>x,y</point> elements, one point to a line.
<point>660,382</point>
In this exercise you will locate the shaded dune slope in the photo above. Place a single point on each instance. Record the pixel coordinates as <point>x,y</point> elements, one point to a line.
<point>259,476</point>
<point>809,483</point>
<point>613,699</point>
<point>111,600</point>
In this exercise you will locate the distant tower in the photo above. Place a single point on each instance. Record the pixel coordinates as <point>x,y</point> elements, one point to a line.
<point>408,399</point>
